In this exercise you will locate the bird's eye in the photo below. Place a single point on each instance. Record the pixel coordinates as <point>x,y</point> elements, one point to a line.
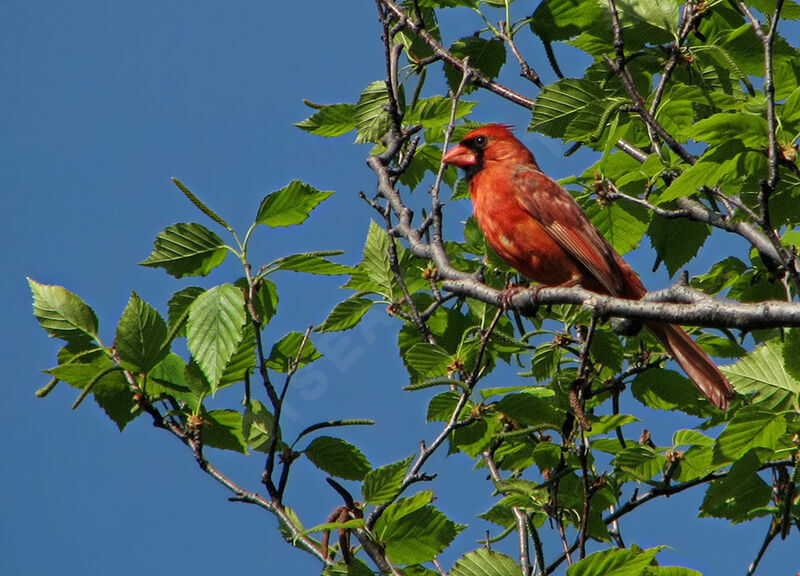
<point>480,141</point>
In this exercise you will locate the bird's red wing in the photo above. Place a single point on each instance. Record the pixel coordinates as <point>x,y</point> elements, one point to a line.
<point>561,216</point>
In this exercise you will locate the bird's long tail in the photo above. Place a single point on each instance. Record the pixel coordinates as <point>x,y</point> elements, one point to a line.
<point>697,365</point>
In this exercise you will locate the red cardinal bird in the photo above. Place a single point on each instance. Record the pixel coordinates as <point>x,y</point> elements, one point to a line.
<point>539,229</point>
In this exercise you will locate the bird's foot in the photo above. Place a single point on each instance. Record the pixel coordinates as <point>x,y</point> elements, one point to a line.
<point>528,308</point>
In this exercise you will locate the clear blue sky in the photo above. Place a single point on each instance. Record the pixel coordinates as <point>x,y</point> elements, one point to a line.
<point>102,102</point>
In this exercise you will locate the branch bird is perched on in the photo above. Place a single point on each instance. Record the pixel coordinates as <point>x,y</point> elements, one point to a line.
<point>539,229</point>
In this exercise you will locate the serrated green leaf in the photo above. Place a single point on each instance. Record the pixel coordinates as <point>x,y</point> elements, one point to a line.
<point>353,567</point>
<point>737,495</point>
<point>441,406</point>
<point>257,425</point>
<point>382,484</point>
<point>691,438</point>
<point>623,225</point>
<point>371,115</point>
<point>607,422</point>
<point>346,314</point>
<point>141,334</point>
<point>223,429</point>
<point>425,361</point>
<point>338,458</point>
<point>720,276</point>
<point>285,352</point>
<point>667,390</point>
<point>614,562</point>
<point>725,127</point>
<point>676,244</point>
<point>484,562</point>
<point>434,112</point>
<point>309,262</point>
<point>487,56</point>
<point>714,166</point>
<point>558,104</point>
<point>243,361</point>
<point>418,536</point>
<point>62,314</point>
<point>564,19</point>
<point>214,329</point>
<point>168,377</point>
<point>178,308</point>
<point>639,463</point>
<point>791,357</point>
<point>187,249</point>
<point>751,427</point>
<point>108,385</point>
<point>529,410</point>
<point>290,205</point>
<point>762,373</point>
<point>330,120</point>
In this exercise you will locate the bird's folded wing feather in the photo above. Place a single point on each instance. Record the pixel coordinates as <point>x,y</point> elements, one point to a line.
<point>562,217</point>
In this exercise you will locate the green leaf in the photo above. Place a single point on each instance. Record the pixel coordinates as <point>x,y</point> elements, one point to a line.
<point>169,377</point>
<point>558,104</point>
<point>614,562</point>
<point>309,262</point>
<point>669,571</point>
<point>762,373</point>
<point>330,120</point>
<point>290,205</point>
<point>338,458</point>
<point>742,491</point>
<point>376,258</point>
<point>370,114</point>
<point>214,329</point>
<point>417,536</point>
<point>564,19</point>
<point>484,562</point>
<point>751,427</point>
<point>178,308</point>
<point>243,361</point>
<point>382,484</point>
<point>257,425</point>
<point>425,360</point>
<point>62,314</point>
<point>690,438</point>
<point>725,127</point>
<point>354,567</point>
<point>667,390</point>
<point>639,463</point>
<point>187,249</point>
<point>530,410</point>
<point>434,112</point>
<point>285,352</point>
<point>223,429</point>
<point>623,225</point>
<point>141,334</point>
<point>441,406</point>
<point>791,358</point>
<point>720,276</point>
<point>487,56</point>
<point>108,386</point>
<point>710,169</point>
<point>677,242</point>
<point>346,314</point>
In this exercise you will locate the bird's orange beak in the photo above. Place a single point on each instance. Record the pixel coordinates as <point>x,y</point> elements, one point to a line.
<point>460,156</point>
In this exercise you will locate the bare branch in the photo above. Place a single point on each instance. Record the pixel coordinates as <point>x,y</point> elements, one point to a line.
<point>476,76</point>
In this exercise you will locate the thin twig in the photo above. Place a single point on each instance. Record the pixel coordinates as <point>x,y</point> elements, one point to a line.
<point>519,513</point>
